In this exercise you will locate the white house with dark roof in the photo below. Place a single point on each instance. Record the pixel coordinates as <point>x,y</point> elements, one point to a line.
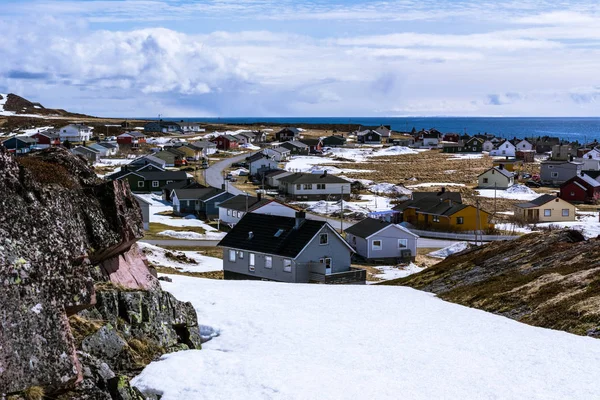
<point>504,149</point>
<point>231,211</point>
<point>278,153</point>
<point>75,133</point>
<point>305,186</point>
<point>496,178</point>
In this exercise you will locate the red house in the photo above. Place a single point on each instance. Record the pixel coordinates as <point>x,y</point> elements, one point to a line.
<point>580,189</point>
<point>226,142</point>
<point>132,138</point>
<point>47,139</point>
<point>451,137</point>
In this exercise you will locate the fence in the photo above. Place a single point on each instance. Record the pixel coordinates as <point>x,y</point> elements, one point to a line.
<point>461,236</point>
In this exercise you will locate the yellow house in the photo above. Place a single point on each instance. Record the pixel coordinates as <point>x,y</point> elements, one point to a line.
<point>546,208</point>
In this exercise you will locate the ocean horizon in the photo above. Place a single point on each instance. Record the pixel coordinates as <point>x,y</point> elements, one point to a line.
<point>581,129</point>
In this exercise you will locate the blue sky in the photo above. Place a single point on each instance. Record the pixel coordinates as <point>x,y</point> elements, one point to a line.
<point>291,58</point>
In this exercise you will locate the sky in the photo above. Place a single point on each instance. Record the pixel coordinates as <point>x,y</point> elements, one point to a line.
<point>261,58</point>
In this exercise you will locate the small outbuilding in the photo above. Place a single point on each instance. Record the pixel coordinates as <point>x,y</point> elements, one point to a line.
<point>496,178</point>
<point>375,239</point>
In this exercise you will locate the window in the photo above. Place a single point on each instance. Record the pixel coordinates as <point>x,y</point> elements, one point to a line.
<point>231,255</point>
<point>460,220</point>
<point>485,180</point>
<point>565,212</point>
<point>228,213</point>
<point>503,151</point>
<point>321,186</point>
<point>141,184</point>
<point>287,265</point>
<point>154,184</point>
<point>323,238</point>
<point>436,218</point>
<point>241,255</point>
<point>554,174</point>
<point>268,262</point>
<point>251,261</point>
<point>308,186</point>
<point>298,187</point>
<point>572,193</point>
<point>167,181</point>
<point>376,244</point>
<point>547,213</point>
<point>402,243</point>
<point>550,166</point>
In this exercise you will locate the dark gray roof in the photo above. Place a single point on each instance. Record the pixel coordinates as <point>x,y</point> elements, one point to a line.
<point>367,227</point>
<point>540,201</point>
<point>198,194</point>
<point>441,195</point>
<point>502,171</point>
<point>148,159</point>
<point>183,185</point>
<point>162,175</point>
<point>242,202</point>
<point>294,143</point>
<point>302,177</point>
<point>107,145</point>
<point>83,149</point>
<point>203,144</point>
<point>263,240</point>
<point>256,157</point>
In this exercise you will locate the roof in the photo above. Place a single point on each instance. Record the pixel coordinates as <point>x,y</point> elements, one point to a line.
<point>148,159</point>
<point>198,194</point>
<point>280,149</point>
<point>441,195</point>
<point>162,175</point>
<point>50,133</point>
<point>502,171</point>
<point>586,179</point>
<point>302,177</point>
<point>295,131</point>
<point>183,185</point>
<point>107,145</point>
<point>243,202</point>
<point>295,143</point>
<point>540,201</point>
<point>83,149</point>
<point>256,157</point>
<point>275,173</point>
<point>592,173</point>
<point>203,144</point>
<point>370,226</point>
<point>289,243</point>
<point>24,139</point>
<point>363,133</point>
<point>311,141</point>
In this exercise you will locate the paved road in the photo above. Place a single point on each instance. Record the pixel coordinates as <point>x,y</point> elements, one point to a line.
<point>214,173</point>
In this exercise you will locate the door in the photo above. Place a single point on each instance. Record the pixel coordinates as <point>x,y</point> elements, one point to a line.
<point>327,262</point>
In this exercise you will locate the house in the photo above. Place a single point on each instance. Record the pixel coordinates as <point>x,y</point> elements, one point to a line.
<point>315,145</point>
<point>172,157</point>
<point>279,153</point>
<point>204,201</point>
<point>284,249</point>
<point>19,144</point>
<point>528,156</point>
<point>205,146</point>
<point>472,145</point>
<point>133,138</point>
<point>580,189</point>
<point>90,154</point>
<point>259,164</point>
<point>334,141</point>
<point>162,127</point>
<point>404,140</point>
<point>104,151</point>
<point>191,127</point>
<point>509,164</point>
<point>504,149</point>
<point>431,138</point>
<point>488,146</point>
<point>190,152</point>
<point>451,137</point>
<point>444,212</point>
<point>524,145</point>
<point>145,207</point>
<point>384,130</point>
<point>153,181</point>
<point>557,172</point>
<point>369,137</point>
<point>246,137</point>
<point>496,178</point>
<point>296,147</point>
<point>546,208</point>
<point>226,142</point>
<point>287,134</point>
<point>375,239</point>
<point>231,211</point>
<point>272,178</point>
<point>75,133</point>
<point>49,138</point>
<point>562,152</point>
<point>167,190</point>
<point>305,186</point>
<point>146,160</point>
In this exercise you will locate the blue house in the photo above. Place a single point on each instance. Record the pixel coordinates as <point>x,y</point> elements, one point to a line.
<point>19,144</point>
<point>162,126</point>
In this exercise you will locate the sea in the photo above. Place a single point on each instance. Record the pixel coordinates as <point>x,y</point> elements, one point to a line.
<point>582,130</point>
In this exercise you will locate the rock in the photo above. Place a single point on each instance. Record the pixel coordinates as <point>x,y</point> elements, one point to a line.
<point>105,343</point>
<point>165,279</point>
<point>130,270</point>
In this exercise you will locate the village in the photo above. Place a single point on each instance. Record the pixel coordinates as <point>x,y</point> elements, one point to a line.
<point>329,205</point>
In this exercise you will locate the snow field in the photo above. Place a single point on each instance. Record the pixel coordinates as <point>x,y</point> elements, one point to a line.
<point>156,255</point>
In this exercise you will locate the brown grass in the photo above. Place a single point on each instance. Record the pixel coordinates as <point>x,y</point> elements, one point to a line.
<point>47,173</point>
<point>155,228</point>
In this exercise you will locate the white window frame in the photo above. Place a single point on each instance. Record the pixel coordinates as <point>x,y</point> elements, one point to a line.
<point>268,262</point>
<point>403,243</point>
<point>287,265</point>
<point>298,187</point>
<point>232,256</point>
<point>460,220</point>
<point>307,186</point>
<point>251,262</point>
<point>566,212</point>
<point>155,184</point>
<point>376,247</point>
<point>547,212</point>
<point>485,180</point>
<point>240,255</point>
<point>141,184</point>
<point>554,174</point>
<point>435,218</point>
<point>326,236</point>
<point>229,213</point>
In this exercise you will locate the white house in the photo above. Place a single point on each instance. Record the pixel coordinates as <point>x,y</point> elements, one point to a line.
<point>505,149</point>
<point>524,145</point>
<point>488,146</point>
<point>593,154</point>
<point>305,186</point>
<point>191,127</point>
<point>234,209</point>
<point>75,133</point>
<point>259,162</point>
<point>496,178</point>
<point>272,179</point>
<point>279,153</point>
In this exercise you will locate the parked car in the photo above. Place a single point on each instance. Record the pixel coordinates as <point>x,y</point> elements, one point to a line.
<point>526,176</point>
<point>232,179</point>
<point>531,183</point>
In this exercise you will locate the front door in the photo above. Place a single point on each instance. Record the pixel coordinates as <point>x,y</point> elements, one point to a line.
<point>327,262</point>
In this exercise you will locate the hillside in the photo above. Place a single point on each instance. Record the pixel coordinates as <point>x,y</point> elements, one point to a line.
<point>12,105</point>
<point>550,280</point>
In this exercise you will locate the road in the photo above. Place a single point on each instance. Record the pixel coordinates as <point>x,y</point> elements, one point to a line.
<point>214,173</point>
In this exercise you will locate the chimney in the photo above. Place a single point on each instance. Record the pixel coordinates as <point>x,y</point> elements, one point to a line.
<point>501,166</point>
<point>223,186</point>
<point>570,157</point>
<point>324,172</point>
<point>250,235</point>
<point>443,189</point>
<point>259,196</point>
<point>300,217</point>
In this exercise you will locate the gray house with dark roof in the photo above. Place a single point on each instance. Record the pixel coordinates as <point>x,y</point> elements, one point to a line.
<point>231,211</point>
<point>284,249</point>
<point>204,201</point>
<point>375,239</point>
<point>305,186</point>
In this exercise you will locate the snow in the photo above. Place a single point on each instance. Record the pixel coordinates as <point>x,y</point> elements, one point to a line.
<point>305,163</point>
<point>249,146</point>
<point>389,272</point>
<point>448,251</point>
<point>297,341</point>
<point>2,103</point>
<point>108,162</point>
<point>390,189</point>
<point>587,223</point>
<point>33,131</point>
<point>365,205</point>
<point>515,192</point>
<point>240,170</point>
<point>186,235</point>
<point>156,256</point>
<point>361,154</point>
<point>430,184</point>
<point>465,156</point>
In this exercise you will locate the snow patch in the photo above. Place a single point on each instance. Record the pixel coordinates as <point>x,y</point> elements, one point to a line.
<point>156,255</point>
<point>389,189</point>
<point>186,235</point>
<point>430,184</point>
<point>389,272</point>
<point>448,251</point>
<point>515,192</point>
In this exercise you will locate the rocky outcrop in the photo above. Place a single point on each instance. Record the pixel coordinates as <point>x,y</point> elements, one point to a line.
<point>19,105</point>
<point>81,311</point>
<point>544,279</point>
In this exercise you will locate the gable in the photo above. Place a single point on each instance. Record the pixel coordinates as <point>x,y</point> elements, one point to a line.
<point>394,230</point>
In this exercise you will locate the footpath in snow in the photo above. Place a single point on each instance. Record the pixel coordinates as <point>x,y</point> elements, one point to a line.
<point>294,341</point>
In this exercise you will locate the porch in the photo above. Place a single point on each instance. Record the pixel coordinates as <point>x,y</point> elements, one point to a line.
<point>317,274</point>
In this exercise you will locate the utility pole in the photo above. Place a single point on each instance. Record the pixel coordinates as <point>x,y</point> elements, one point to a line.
<point>478,224</point>
<point>495,185</point>
<point>342,211</point>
